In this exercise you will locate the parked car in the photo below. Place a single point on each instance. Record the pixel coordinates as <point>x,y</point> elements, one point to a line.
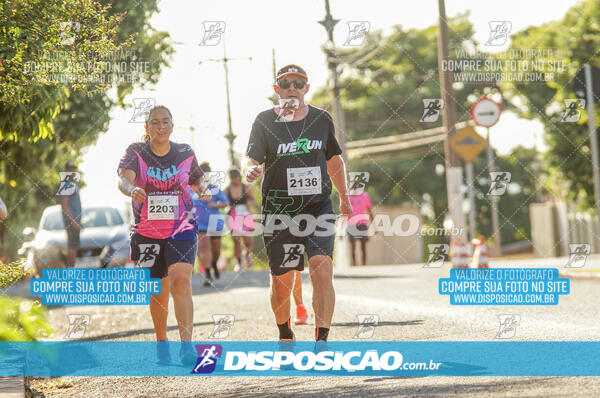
<point>104,240</point>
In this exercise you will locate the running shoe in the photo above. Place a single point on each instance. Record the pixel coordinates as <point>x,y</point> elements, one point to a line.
<point>301,315</point>
<point>249,260</point>
<point>187,354</point>
<point>207,282</point>
<point>163,355</point>
<point>289,340</point>
<point>238,267</point>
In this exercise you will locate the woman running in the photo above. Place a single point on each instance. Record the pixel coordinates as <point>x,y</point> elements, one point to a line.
<point>210,224</point>
<point>240,219</point>
<point>157,173</point>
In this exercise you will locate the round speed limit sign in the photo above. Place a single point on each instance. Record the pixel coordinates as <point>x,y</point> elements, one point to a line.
<point>485,112</point>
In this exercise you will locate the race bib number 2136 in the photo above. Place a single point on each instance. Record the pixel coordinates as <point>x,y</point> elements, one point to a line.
<point>304,181</point>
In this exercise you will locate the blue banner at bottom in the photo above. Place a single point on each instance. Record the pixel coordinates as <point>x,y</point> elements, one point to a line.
<point>336,358</point>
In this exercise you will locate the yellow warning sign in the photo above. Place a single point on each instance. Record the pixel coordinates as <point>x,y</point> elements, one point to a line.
<point>467,143</point>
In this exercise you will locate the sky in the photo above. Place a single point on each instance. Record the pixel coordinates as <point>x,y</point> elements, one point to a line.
<point>193,87</point>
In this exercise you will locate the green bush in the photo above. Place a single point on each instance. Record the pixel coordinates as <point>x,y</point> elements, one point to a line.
<point>20,319</point>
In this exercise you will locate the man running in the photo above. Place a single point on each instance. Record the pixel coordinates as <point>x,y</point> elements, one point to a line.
<point>157,173</point>
<point>301,159</point>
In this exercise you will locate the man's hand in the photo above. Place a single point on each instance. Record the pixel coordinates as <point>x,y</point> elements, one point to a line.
<point>253,173</point>
<point>345,206</point>
<point>138,194</point>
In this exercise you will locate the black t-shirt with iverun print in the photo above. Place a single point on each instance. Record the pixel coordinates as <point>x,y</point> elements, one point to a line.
<point>295,156</point>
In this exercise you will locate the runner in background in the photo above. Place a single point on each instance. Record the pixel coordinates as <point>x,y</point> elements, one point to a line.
<point>358,224</point>
<point>240,221</point>
<point>156,173</point>
<point>301,313</point>
<point>210,223</point>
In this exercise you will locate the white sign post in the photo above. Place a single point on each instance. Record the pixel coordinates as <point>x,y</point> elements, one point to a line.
<point>486,112</point>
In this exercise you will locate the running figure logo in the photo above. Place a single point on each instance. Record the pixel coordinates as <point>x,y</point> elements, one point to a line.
<point>287,109</point>
<point>499,182</point>
<point>508,325</point>
<point>579,253</point>
<point>573,109</point>
<point>438,253</point>
<point>68,182</point>
<point>358,182</point>
<point>357,33</point>
<point>207,358</point>
<point>141,106</point>
<point>366,326</point>
<point>432,109</point>
<point>212,33</point>
<point>216,180</point>
<point>499,31</point>
<point>148,254</point>
<point>68,31</point>
<point>293,253</point>
<point>77,325</point>
<point>223,325</point>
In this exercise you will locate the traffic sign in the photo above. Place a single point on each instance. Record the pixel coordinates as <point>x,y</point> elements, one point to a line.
<point>579,83</point>
<point>467,143</point>
<point>485,112</point>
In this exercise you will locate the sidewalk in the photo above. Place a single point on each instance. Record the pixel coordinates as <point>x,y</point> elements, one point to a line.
<point>12,387</point>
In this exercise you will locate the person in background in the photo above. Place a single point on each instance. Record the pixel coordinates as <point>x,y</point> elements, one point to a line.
<point>240,218</point>
<point>3,210</point>
<point>71,210</point>
<point>301,313</point>
<point>358,224</point>
<point>209,223</point>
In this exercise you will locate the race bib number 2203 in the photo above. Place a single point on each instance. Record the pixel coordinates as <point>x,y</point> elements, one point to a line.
<point>163,207</point>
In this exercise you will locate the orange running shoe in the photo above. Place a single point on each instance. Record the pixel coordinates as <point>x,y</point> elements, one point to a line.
<point>301,315</point>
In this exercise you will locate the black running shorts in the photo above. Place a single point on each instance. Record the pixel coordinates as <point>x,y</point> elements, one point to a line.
<point>286,249</point>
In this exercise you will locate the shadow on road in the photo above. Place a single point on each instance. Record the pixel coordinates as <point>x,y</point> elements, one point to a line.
<point>129,333</point>
<point>391,386</point>
<point>385,323</point>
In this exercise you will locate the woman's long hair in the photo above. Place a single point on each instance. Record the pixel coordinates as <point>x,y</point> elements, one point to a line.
<point>146,136</point>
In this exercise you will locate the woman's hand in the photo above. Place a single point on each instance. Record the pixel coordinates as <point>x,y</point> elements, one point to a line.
<point>138,194</point>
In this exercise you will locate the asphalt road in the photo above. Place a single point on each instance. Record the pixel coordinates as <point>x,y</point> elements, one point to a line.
<point>409,308</point>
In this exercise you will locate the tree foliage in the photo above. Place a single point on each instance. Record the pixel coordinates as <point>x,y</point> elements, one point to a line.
<point>44,121</point>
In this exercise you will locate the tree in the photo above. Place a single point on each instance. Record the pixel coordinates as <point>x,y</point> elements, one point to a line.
<point>383,95</point>
<point>573,41</point>
<point>44,122</point>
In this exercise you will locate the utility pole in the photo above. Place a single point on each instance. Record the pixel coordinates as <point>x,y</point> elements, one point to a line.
<point>453,167</point>
<point>229,136</point>
<point>274,98</point>
<point>341,259</point>
<point>332,63</point>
